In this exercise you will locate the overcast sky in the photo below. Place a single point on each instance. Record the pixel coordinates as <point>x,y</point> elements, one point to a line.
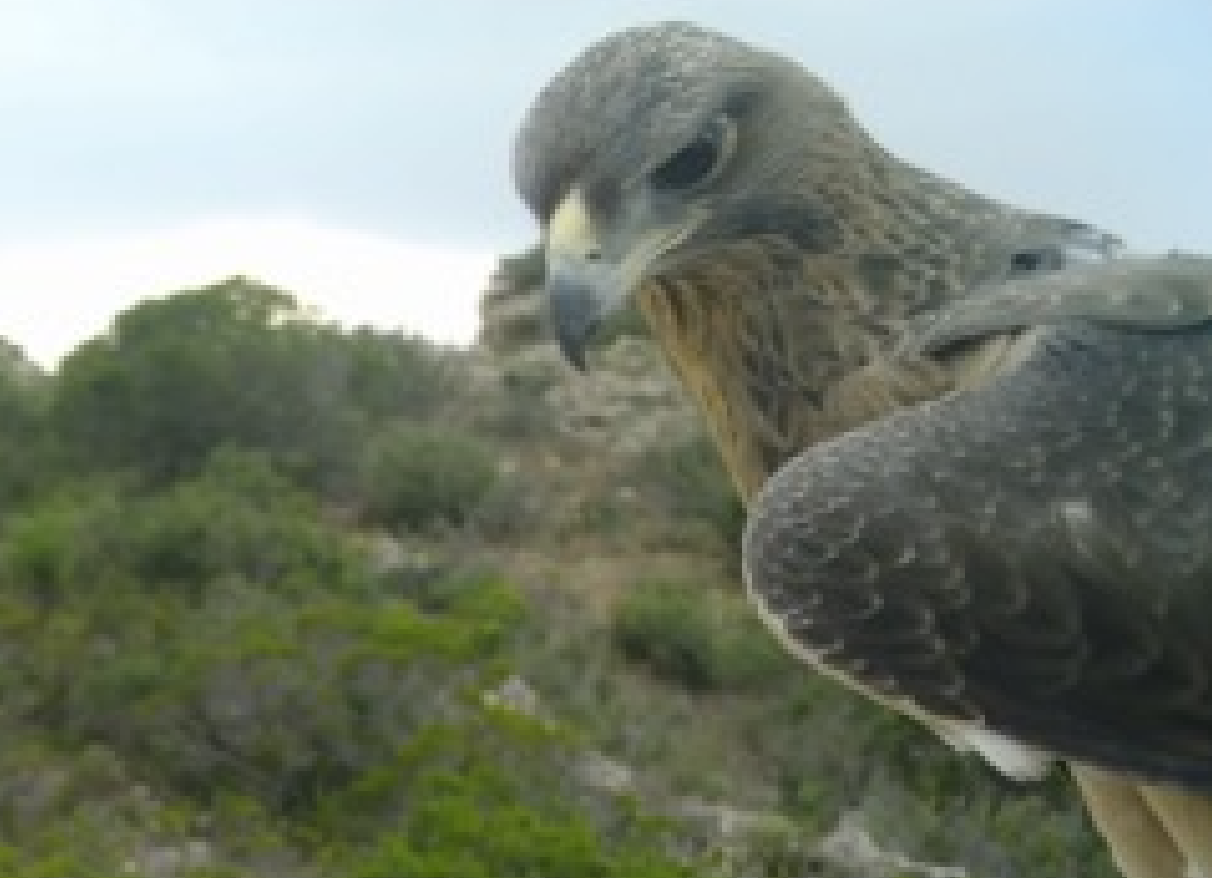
<point>357,151</point>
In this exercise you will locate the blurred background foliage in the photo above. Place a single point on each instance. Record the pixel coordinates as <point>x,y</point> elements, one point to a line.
<point>283,599</point>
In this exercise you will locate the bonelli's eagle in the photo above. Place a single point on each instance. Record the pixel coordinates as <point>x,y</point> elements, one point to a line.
<point>975,441</point>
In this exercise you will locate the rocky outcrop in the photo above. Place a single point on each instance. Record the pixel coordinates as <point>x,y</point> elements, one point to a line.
<point>627,401</point>
<point>511,313</point>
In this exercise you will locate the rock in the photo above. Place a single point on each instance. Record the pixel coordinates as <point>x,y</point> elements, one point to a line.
<point>386,553</point>
<point>515,694</point>
<point>31,795</point>
<point>511,323</point>
<point>168,861</point>
<point>601,773</point>
<point>728,821</point>
<point>511,309</point>
<point>627,402</point>
<point>851,846</point>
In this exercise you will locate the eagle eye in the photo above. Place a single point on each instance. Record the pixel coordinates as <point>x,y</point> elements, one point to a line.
<point>698,161</point>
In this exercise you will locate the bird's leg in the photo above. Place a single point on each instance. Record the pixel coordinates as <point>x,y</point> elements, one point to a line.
<point>1139,843</point>
<point>1188,820</point>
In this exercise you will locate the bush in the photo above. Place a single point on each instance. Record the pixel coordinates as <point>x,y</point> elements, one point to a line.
<point>393,375</point>
<point>700,638</point>
<point>690,483</point>
<point>16,863</point>
<point>419,476</point>
<point>234,363</point>
<point>25,448</point>
<point>62,541</point>
<point>251,692</point>
<point>474,815</point>
<point>237,520</point>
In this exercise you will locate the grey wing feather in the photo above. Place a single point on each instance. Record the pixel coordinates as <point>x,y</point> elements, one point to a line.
<point>1034,554</point>
<point>1141,293</point>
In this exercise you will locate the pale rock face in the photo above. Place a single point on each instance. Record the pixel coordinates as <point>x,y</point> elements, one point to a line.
<point>627,402</point>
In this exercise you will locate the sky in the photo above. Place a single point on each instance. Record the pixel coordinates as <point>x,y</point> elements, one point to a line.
<point>356,152</point>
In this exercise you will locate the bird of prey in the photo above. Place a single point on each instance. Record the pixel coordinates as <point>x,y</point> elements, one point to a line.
<point>975,442</point>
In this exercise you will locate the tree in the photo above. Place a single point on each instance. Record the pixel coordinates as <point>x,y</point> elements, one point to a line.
<point>236,363</point>
<point>24,444</point>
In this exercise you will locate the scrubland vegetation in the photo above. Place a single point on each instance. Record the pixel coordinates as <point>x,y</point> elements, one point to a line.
<point>282,599</point>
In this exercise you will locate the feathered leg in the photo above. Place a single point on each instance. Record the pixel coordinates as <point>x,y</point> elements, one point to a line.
<point>1188,820</point>
<point>1140,844</point>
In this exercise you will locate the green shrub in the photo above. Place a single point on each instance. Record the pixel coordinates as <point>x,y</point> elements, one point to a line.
<point>236,520</point>
<point>690,483</point>
<point>17,863</point>
<point>64,540</point>
<point>416,476</point>
<point>700,638</point>
<point>476,812</point>
<point>389,374</point>
<point>511,510</point>
<point>174,378</point>
<point>25,446</point>
<point>250,691</point>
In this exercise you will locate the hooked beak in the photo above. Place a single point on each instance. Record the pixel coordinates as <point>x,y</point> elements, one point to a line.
<point>575,314</point>
<point>583,287</point>
<point>590,276</point>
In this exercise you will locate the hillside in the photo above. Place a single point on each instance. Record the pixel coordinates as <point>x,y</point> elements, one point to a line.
<point>281,599</point>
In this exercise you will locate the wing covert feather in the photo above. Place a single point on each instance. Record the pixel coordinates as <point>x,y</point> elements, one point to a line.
<point>1137,293</point>
<point>1035,554</point>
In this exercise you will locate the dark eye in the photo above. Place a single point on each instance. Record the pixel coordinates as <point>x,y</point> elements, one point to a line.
<point>1036,260</point>
<point>697,161</point>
